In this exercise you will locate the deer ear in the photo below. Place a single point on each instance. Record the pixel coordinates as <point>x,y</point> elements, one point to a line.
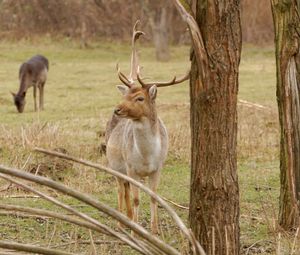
<point>13,94</point>
<point>124,89</point>
<point>153,92</point>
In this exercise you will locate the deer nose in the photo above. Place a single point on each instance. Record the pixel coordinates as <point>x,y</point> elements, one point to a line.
<point>117,110</point>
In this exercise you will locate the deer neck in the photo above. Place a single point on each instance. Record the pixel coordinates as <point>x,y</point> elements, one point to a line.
<point>25,83</point>
<point>146,133</point>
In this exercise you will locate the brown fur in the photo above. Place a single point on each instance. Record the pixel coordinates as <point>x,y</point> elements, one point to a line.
<point>137,144</point>
<point>32,73</point>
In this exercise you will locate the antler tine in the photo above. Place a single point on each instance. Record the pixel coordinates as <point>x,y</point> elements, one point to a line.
<point>164,84</point>
<point>144,85</point>
<point>136,33</point>
<point>123,77</point>
<point>174,81</point>
<point>134,55</point>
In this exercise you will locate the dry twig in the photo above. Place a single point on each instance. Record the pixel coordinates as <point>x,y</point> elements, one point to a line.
<point>177,205</point>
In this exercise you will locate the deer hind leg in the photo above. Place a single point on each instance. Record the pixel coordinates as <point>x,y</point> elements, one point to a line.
<point>41,103</point>
<point>153,183</point>
<point>34,96</point>
<point>135,194</point>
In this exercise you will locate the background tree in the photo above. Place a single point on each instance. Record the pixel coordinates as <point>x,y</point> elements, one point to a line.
<point>286,23</point>
<point>160,17</point>
<point>113,19</point>
<point>214,196</point>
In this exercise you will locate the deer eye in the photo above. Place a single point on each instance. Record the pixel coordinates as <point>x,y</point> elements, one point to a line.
<point>141,99</point>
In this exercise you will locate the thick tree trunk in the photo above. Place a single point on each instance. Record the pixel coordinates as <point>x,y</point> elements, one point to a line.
<point>214,197</point>
<point>286,23</point>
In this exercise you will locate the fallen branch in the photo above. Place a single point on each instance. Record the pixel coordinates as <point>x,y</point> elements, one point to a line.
<point>173,203</point>
<point>88,242</point>
<point>195,244</point>
<point>92,243</point>
<point>105,229</point>
<point>48,215</point>
<point>20,196</point>
<point>21,215</point>
<point>9,252</point>
<point>252,245</point>
<point>90,201</point>
<point>253,105</point>
<point>5,187</point>
<point>31,248</point>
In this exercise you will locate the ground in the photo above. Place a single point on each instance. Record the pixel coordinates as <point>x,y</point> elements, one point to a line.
<point>80,95</point>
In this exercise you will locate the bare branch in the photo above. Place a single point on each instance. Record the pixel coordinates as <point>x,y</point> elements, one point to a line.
<point>173,203</point>
<point>92,202</point>
<point>31,248</point>
<point>88,242</point>
<point>72,210</point>
<point>92,242</point>
<point>198,44</point>
<point>63,217</point>
<point>198,249</point>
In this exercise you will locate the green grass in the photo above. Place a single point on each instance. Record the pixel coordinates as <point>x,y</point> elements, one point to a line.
<point>79,96</point>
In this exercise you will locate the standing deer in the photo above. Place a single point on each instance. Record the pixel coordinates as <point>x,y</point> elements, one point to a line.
<point>137,140</point>
<point>33,72</point>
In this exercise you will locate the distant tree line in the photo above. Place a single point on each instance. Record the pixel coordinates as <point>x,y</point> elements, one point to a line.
<point>88,19</point>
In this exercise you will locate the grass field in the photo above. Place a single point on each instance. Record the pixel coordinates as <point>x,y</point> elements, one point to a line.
<point>79,97</point>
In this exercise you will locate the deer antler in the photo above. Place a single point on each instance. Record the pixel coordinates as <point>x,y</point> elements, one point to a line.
<point>134,55</point>
<point>129,81</point>
<point>123,77</point>
<point>162,84</point>
<point>135,69</point>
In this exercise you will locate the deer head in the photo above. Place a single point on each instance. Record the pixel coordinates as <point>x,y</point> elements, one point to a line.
<point>139,101</point>
<point>19,101</point>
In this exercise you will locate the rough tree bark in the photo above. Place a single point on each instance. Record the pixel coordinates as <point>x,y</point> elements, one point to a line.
<point>286,22</point>
<point>214,196</point>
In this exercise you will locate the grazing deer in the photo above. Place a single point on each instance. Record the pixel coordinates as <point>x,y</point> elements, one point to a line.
<point>137,140</point>
<point>33,72</point>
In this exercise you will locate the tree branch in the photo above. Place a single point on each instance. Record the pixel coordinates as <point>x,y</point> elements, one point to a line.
<point>169,209</point>
<point>31,248</point>
<point>94,203</point>
<point>75,212</point>
<point>198,44</point>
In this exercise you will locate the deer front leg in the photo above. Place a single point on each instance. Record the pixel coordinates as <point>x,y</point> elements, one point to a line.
<point>136,203</point>
<point>127,200</point>
<point>153,183</point>
<point>34,97</point>
<point>121,192</point>
<point>136,197</point>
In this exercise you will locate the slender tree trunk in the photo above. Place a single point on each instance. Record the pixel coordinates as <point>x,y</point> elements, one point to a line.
<point>159,20</point>
<point>160,35</point>
<point>214,197</point>
<point>286,23</point>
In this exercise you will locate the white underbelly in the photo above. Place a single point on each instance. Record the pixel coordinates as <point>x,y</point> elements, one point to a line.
<point>144,166</point>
